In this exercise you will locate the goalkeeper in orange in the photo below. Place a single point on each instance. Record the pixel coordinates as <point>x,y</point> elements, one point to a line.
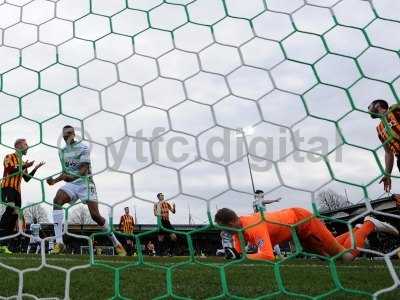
<point>313,234</point>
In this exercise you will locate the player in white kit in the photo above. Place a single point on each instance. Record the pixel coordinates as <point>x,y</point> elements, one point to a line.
<point>35,239</point>
<point>76,172</point>
<point>259,206</point>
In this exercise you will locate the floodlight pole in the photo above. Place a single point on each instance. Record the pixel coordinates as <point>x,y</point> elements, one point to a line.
<point>248,159</point>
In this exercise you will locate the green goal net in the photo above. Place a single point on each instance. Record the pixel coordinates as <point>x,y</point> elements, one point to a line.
<point>206,101</point>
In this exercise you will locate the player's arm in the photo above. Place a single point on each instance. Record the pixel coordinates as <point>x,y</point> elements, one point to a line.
<point>155,209</point>
<point>28,176</point>
<point>120,224</point>
<point>61,177</point>
<point>389,161</point>
<point>84,163</point>
<point>12,166</point>
<point>236,243</point>
<point>172,208</point>
<point>261,237</point>
<point>271,201</point>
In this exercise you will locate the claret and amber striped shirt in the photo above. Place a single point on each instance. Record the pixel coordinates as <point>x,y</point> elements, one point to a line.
<point>12,176</point>
<point>389,132</point>
<point>126,224</point>
<point>162,209</point>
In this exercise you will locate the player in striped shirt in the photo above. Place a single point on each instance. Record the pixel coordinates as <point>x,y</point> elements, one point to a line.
<point>389,134</point>
<point>161,210</point>
<point>126,225</point>
<point>79,184</point>
<point>35,239</point>
<point>15,169</point>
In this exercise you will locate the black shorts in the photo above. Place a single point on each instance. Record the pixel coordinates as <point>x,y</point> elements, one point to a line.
<point>11,195</point>
<point>167,224</point>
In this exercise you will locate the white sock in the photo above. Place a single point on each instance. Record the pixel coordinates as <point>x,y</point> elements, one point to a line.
<point>112,236</point>
<point>37,249</point>
<point>58,218</point>
<point>277,250</point>
<point>29,249</point>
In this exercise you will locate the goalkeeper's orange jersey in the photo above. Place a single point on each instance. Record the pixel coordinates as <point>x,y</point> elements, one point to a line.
<point>265,235</point>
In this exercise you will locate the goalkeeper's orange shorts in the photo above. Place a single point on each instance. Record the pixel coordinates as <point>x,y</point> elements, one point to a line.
<point>316,237</point>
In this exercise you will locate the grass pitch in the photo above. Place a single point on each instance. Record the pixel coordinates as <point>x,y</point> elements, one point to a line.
<point>200,280</point>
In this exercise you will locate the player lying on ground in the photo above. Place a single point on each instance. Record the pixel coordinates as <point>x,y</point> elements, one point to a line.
<point>259,205</point>
<point>75,161</point>
<point>312,232</point>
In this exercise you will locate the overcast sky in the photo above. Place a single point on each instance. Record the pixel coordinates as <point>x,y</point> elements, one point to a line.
<point>161,106</point>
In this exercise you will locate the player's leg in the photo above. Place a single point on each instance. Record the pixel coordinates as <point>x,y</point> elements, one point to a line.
<point>38,247</point>
<point>361,233</point>
<point>102,222</point>
<point>277,250</point>
<point>64,195</point>
<point>9,218</point>
<point>160,244</point>
<point>29,248</point>
<point>88,194</point>
<point>171,237</point>
<point>316,237</point>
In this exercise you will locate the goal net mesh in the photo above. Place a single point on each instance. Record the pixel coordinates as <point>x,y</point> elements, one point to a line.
<point>204,100</point>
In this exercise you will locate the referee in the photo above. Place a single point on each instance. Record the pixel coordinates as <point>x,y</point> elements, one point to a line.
<point>14,170</point>
<point>126,226</point>
<point>162,209</point>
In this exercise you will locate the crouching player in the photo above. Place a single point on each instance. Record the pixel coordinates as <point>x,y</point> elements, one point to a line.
<point>312,232</point>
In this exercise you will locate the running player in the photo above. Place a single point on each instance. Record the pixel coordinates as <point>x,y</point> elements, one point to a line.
<point>15,169</point>
<point>312,232</point>
<point>76,166</point>
<point>35,240</point>
<point>389,134</point>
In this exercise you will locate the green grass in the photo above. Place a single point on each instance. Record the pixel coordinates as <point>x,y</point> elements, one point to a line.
<point>198,280</point>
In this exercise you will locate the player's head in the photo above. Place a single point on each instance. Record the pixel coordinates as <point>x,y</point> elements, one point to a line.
<point>259,194</point>
<point>227,217</point>
<point>126,210</point>
<point>21,146</point>
<point>160,196</point>
<point>68,134</point>
<point>35,220</point>
<point>378,108</point>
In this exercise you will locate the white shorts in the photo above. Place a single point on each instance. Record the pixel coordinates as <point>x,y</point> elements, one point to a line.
<point>34,240</point>
<point>84,192</point>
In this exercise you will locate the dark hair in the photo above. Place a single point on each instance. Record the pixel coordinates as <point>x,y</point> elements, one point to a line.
<point>158,195</point>
<point>68,127</point>
<point>259,192</point>
<point>382,103</point>
<point>225,216</point>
